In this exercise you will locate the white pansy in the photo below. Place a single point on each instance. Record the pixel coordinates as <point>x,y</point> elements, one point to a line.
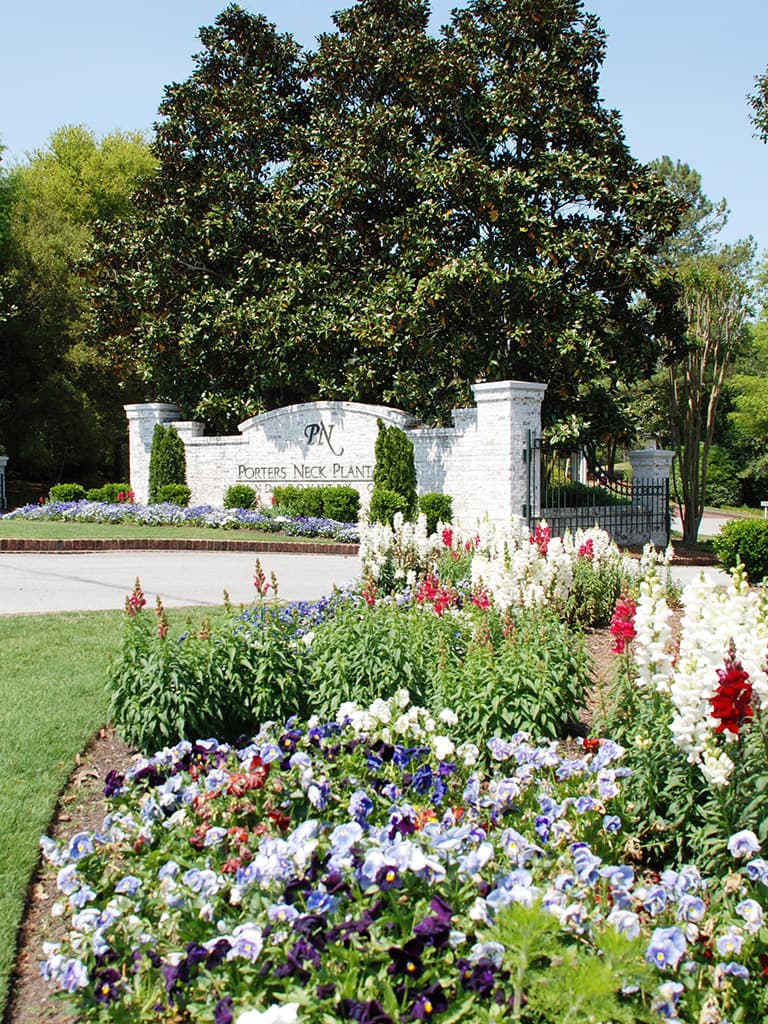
<point>443,747</point>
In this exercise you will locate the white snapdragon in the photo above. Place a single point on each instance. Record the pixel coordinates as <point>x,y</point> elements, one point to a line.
<point>653,637</point>
<point>406,547</point>
<point>518,574</point>
<point>717,626</point>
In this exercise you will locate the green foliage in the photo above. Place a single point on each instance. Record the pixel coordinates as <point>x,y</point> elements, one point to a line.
<point>108,493</point>
<point>499,674</point>
<point>594,593</point>
<point>222,680</point>
<point>389,218</point>
<point>364,653</point>
<point>66,492</point>
<point>437,507</point>
<point>240,496</point>
<point>167,461</point>
<point>723,479</point>
<point>384,505</point>
<point>554,980</point>
<point>526,670</point>
<point>174,494</point>
<point>395,469</point>
<point>339,503</point>
<point>745,542</point>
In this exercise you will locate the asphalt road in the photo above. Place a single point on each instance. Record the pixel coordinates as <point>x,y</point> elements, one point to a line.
<point>33,583</point>
<point>94,581</point>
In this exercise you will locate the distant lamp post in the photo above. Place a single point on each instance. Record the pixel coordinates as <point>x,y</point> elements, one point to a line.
<point>3,489</point>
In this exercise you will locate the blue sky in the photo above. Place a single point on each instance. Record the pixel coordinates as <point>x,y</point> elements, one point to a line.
<point>678,70</point>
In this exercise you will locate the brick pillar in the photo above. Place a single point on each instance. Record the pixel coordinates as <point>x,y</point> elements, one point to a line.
<point>507,411</point>
<point>142,420</point>
<point>650,474</point>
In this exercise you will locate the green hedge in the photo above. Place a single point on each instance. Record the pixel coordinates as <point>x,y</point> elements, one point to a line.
<point>240,496</point>
<point>437,507</point>
<point>744,541</point>
<point>340,503</point>
<point>66,492</point>
<point>167,462</point>
<point>109,493</point>
<point>174,494</point>
<point>395,469</point>
<point>385,503</point>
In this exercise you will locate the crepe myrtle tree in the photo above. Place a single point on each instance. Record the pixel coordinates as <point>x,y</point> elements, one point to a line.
<point>758,101</point>
<point>716,302</point>
<point>390,217</point>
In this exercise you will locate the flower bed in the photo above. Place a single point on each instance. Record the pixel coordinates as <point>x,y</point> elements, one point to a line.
<point>174,515</point>
<point>364,869</point>
<point>361,858</point>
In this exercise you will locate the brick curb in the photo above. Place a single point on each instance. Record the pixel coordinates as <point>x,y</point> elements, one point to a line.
<point>29,545</point>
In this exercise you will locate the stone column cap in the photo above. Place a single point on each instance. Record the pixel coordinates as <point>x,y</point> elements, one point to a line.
<point>500,389</point>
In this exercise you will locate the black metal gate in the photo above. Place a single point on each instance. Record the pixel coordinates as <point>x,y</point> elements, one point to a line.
<point>632,513</point>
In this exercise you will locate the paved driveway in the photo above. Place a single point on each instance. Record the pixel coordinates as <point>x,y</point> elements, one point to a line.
<point>93,581</point>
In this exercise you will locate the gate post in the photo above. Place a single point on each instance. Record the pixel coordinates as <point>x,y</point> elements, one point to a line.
<point>507,412</point>
<point>141,426</point>
<point>650,490</point>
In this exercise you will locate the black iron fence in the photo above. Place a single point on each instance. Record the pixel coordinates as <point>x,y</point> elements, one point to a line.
<point>633,513</point>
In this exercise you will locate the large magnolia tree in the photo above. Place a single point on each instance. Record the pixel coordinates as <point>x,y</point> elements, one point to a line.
<point>390,218</point>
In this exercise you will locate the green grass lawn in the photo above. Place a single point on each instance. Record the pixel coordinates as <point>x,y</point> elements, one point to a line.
<point>52,702</point>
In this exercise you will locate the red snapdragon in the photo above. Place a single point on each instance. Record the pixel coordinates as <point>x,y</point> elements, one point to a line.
<point>732,701</point>
<point>623,624</point>
<point>541,537</point>
<point>587,550</point>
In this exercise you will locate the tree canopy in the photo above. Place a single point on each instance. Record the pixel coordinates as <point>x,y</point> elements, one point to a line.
<point>389,217</point>
<point>682,402</point>
<point>58,394</point>
<point>758,101</point>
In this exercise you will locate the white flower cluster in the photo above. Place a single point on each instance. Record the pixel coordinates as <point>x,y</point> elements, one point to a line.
<point>653,640</point>
<point>717,624</point>
<point>516,572</point>
<point>406,547</point>
<point>397,721</point>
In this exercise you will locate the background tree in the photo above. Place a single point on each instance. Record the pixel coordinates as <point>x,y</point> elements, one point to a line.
<point>701,220</point>
<point>748,412</point>
<point>759,104</point>
<point>390,218</point>
<point>681,402</point>
<point>185,291</point>
<point>715,300</point>
<point>66,401</point>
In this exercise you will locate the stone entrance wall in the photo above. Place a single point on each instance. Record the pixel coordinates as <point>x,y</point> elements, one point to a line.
<point>479,461</point>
